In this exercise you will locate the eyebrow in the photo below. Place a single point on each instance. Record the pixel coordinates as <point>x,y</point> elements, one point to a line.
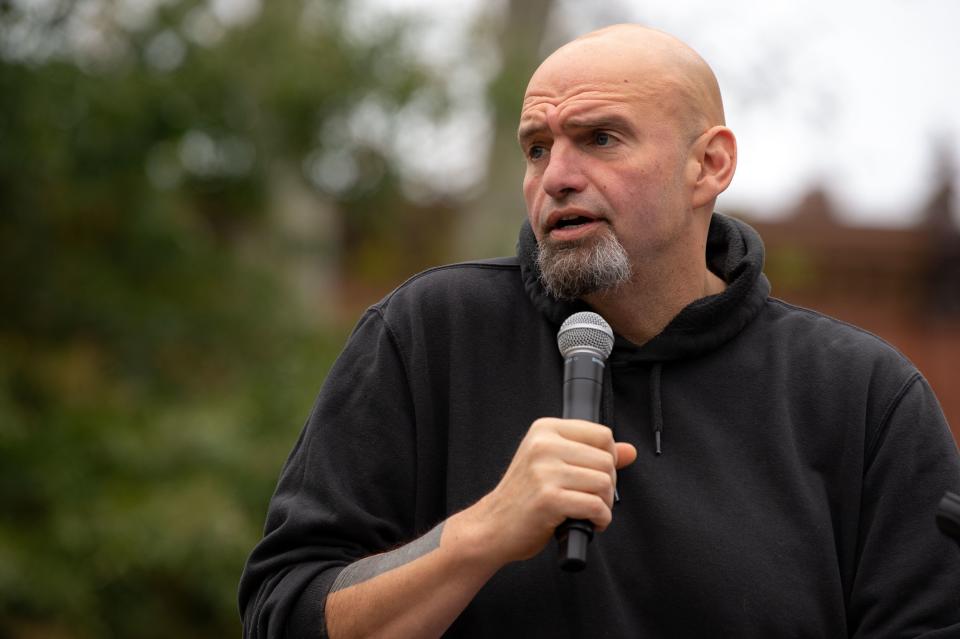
<point>604,121</point>
<point>527,131</point>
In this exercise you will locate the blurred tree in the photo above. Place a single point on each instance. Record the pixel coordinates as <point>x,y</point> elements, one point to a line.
<point>166,172</point>
<point>489,225</point>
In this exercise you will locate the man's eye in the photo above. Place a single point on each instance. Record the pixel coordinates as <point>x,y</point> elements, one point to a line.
<point>602,139</point>
<point>536,152</point>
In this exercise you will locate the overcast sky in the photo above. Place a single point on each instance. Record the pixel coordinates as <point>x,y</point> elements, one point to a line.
<point>855,94</point>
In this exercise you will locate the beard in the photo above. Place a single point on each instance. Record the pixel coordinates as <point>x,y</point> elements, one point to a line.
<point>570,270</point>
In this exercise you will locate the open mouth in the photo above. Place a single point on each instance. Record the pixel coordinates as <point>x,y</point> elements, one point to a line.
<point>573,221</point>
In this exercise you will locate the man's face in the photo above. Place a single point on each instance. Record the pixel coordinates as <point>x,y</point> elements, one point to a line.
<point>605,155</point>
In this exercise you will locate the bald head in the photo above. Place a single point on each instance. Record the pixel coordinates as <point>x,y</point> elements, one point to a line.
<point>626,152</point>
<point>643,63</point>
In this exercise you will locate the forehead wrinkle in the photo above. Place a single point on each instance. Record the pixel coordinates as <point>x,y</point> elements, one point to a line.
<point>622,91</point>
<point>585,113</point>
<point>596,103</point>
<point>626,89</point>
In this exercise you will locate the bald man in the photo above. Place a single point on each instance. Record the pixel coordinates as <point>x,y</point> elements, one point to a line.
<point>778,471</point>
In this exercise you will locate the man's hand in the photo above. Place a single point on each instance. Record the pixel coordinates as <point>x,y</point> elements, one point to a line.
<point>563,468</point>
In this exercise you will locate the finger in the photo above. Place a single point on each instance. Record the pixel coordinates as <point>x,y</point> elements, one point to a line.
<point>590,433</point>
<point>584,455</point>
<point>588,481</point>
<point>626,454</point>
<point>548,435</point>
<point>579,505</point>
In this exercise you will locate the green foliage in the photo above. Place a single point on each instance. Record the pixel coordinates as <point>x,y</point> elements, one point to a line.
<point>155,366</point>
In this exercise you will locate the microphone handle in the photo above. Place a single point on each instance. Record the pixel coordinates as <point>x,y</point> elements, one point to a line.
<point>582,390</point>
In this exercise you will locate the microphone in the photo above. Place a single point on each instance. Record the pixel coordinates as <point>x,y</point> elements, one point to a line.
<point>585,340</point>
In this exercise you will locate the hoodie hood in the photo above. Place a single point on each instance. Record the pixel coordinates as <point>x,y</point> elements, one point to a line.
<point>734,253</point>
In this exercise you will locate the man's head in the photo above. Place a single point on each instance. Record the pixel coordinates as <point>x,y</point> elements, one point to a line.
<point>623,131</point>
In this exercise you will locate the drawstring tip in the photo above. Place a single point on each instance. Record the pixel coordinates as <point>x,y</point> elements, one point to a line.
<point>657,437</point>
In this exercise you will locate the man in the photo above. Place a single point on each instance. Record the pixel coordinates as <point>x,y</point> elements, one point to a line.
<point>783,471</point>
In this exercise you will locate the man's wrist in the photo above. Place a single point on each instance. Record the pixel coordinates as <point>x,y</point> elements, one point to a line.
<point>469,536</point>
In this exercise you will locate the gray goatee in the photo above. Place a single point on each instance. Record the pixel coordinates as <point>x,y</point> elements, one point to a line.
<point>570,270</point>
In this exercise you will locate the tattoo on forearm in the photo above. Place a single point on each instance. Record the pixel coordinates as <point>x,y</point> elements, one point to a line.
<point>370,567</point>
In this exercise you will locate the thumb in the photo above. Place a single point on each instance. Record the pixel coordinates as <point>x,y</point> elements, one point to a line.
<point>626,454</point>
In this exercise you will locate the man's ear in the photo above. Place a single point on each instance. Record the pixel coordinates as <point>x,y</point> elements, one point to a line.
<point>716,151</point>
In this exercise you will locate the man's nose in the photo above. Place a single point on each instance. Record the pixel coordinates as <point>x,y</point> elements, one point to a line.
<point>564,172</point>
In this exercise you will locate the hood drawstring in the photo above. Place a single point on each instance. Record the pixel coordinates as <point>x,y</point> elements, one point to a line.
<point>656,409</point>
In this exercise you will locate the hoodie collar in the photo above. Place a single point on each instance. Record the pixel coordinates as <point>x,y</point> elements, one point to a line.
<point>734,252</point>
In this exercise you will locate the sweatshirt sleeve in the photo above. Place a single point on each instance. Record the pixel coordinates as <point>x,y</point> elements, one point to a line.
<point>908,576</point>
<point>346,491</point>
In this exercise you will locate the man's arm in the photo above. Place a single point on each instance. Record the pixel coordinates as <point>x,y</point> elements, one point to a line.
<point>907,581</point>
<point>562,469</point>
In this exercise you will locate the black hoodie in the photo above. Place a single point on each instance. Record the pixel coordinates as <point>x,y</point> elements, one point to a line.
<point>789,471</point>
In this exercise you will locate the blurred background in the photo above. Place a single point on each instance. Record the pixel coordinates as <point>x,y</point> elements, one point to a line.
<point>199,197</point>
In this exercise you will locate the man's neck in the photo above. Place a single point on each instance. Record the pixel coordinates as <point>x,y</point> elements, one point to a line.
<point>641,308</point>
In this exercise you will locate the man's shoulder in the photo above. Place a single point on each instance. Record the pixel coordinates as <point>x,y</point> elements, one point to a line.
<point>462,279</point>
<point>478,286</point>
<point>817,334</point>
<point>459,271</point>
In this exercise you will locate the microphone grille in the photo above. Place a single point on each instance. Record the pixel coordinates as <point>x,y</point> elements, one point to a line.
<point>585,330</point>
